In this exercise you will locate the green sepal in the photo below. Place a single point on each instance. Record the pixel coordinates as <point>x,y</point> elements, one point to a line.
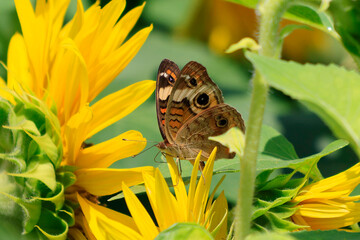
<point>67,213</point>
<point>52,226</point>
<point>67,178</point>
<point>280,224</point>
<point>31,211</point>
<point>39,168</point>
<point>57,198</point>
<point>184,231</point>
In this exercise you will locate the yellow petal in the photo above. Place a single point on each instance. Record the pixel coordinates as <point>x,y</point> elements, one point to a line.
<point>213,193</point>
<point>336,180</point>
<point>110,13</point>
<point>219,217</point>
<point>167,205</point>
<point>119,104</point>
<point>180,190</point>
<point>326,195</point>
<point>36,40</point>
<point>108,224</point>
<point>113,64</point>
<point>18,65</point>
<point>106,181</point>
<point>76,234</point>
<point>72,28</point>
<point>75,133</point>
<point>149,180</point>
<point>203,188</point>
<point>141,217</point>
<point>4,92</point>
<point>69,81</point>
<point>104,154</point>
<point>121,30</point>
<point>192,188</point>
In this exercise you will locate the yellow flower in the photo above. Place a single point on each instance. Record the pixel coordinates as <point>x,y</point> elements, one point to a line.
<point>326,204</point>
<point>192,206</point>
<point>67,67</point>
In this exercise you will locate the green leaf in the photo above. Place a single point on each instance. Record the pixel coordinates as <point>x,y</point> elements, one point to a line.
<point>325,235</point>
<point>234,139</point>
<point>332,92</point>
<point>276,152</point>
<point>288,29</point>
<point>347,23</point>
<point>302,13</point>
<point>270,236</point>
<point>184,231</point>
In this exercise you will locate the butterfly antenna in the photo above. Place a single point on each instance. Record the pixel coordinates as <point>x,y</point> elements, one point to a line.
<point>147,141</point>
<point>143,151</point>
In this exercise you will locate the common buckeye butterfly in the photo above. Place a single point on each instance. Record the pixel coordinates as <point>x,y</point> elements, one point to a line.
<point>190,108</point>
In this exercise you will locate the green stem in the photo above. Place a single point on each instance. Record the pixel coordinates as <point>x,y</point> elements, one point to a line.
<point>271,12</point>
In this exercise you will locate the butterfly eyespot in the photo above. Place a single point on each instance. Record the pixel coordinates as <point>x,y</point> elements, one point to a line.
<point>218,117</point>
<point>193,82</point>
<point>171,79</point>
<point>202,100</point>
<point>222,122</point>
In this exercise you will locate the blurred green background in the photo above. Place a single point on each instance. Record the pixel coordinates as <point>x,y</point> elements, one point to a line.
<point>200,30</point>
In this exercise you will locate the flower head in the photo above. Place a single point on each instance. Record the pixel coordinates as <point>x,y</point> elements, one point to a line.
<point>327,204</point>
<point>192,206</point>
<point>66,67</point>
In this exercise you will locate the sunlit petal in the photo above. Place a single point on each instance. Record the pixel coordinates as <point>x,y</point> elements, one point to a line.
<point>106,181</point>
<point>203,187</point>
<point>168,212</point>
<point>121,30</point>
<point>75,133</point>
<point>18,65</point>
<point>116,62</point>
<point>145,224</point>
<point>107,224</point>
<point>218,219</point>
<point>119,104</point>
<point>180,190</point>
<point>104,154</point>
<point>192,188</point>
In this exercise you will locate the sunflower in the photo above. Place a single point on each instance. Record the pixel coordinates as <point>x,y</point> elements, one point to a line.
<point>193,206</point>
<point>327,204</point>
<point>66,67</point>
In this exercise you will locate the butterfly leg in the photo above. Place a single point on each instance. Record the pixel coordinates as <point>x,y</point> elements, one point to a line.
<point>201,168</point>
<point>164,154</point>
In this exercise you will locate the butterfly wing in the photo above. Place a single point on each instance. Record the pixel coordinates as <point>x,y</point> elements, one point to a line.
<point>192,93</point>
<point>213,121</point>
<point>167,75</point>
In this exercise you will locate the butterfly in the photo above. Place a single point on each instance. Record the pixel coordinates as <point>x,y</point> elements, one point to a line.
<point>190,108</point>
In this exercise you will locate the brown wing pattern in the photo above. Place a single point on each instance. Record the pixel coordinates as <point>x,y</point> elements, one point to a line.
<point>167,75</point>
<point>192,93</point>
<point>213,121</point>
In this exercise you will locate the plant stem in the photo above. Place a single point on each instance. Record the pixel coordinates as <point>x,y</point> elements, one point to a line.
<point>271,12</point>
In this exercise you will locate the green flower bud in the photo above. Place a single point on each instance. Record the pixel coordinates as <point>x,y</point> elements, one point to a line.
<point>31,181</point>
